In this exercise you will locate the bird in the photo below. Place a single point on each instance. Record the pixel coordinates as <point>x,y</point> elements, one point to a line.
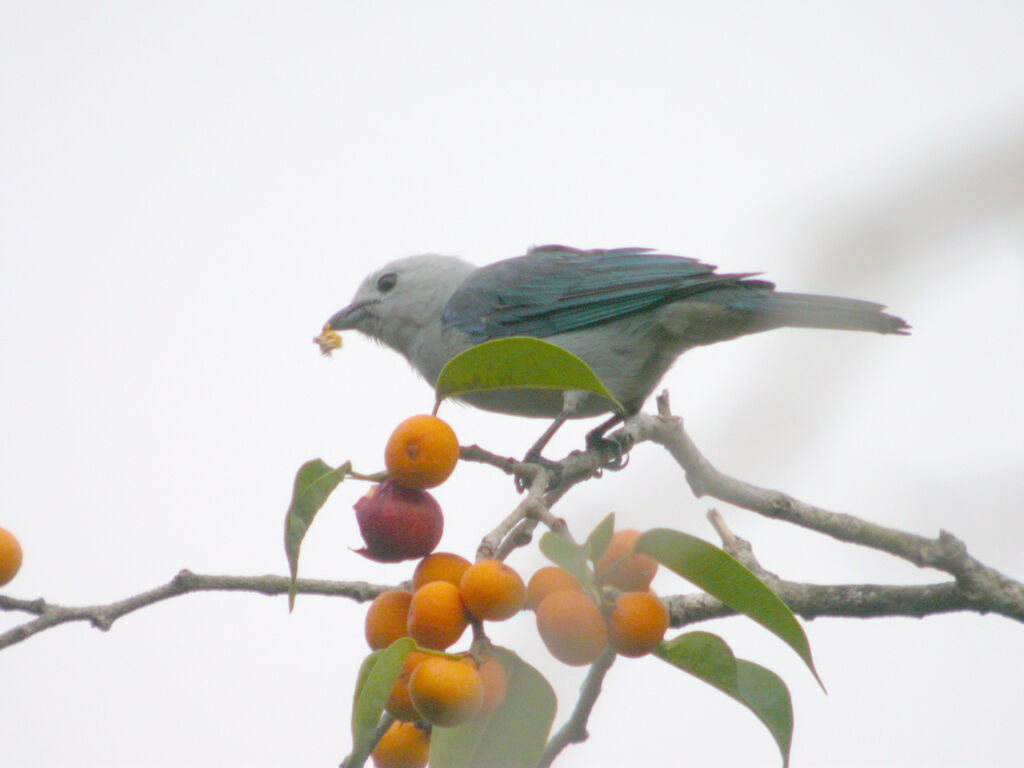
<point>628,313</point>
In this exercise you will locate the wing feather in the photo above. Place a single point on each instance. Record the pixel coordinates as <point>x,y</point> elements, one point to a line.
<point>554,289</point>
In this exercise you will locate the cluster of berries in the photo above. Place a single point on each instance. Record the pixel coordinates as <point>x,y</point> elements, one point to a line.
<point>433,688</point>
<point>577,622</point>
<point>576,627</point>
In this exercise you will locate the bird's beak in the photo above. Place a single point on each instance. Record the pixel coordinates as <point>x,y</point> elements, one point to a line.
<point>351,317</point>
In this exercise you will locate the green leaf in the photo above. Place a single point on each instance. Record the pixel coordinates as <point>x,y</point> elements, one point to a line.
<point>703,655</point>
<point>513,737</point>
<point>720,575</point>
<point>597,541</point>
<point>571,557</point>
<point>518,363</point>
<point>376,678</point>
<point>768,697</point>
<point>709,658</point>
<point>314,482</point>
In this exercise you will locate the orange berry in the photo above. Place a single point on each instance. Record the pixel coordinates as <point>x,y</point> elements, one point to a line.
<point>437,617</point>
<point>403,745</point>
<point>637,623</point>
<point>572,627</point>
<point>446,692</point>
<point>623,569</point>
<point>387,617</point>
<point>421,452</point>
<point>10,556</point>
<point>547,580</point>
<point>399,702</point>
<point>495,685</point>
<point>440,566</point>
<point>492,591</point>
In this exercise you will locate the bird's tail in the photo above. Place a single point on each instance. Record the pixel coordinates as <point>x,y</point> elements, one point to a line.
<point>806,310</point>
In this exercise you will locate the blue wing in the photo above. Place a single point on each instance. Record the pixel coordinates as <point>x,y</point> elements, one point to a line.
<point>554,289</point>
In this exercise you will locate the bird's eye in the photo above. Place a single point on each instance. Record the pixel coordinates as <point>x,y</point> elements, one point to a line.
<point>386,282</point>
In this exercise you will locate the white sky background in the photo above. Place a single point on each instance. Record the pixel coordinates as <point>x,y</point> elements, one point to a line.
<point>188,190</point>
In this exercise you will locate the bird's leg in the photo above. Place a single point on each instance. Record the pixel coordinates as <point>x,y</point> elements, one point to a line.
<point>533,455</point>
<point>613,453</point>
<point>613,449</point>
<point>570,402</point>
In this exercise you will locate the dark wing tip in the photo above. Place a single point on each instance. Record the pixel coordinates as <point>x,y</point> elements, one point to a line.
<point>899,326</point>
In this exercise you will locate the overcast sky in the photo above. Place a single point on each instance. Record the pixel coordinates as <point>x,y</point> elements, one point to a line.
<point>189,190</point>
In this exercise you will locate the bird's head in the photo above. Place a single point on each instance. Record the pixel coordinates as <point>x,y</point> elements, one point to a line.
<point>396,302</point>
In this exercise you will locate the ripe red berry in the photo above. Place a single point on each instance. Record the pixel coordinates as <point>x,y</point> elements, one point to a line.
<point>398,523</point>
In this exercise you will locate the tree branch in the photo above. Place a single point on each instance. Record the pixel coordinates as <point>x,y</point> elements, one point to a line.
<point>974,587</point>
<point>531,508</point>
<point>806,600</point>
<point>982,588</point>
<point>103,616</point>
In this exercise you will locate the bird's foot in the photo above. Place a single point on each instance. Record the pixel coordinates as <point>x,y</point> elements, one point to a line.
<point>613,453</point>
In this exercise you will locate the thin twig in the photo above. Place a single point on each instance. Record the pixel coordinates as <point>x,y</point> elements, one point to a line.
<point>520,536</point>
<point>575,728</point>
<point>507,465</point>
<point>517,528</point>
<point>357,761</point>
<point>531,507</point>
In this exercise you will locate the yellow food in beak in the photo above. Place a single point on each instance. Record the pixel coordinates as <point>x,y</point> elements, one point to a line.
<point>328,340</point>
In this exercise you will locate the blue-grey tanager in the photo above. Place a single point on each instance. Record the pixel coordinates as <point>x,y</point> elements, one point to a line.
<point>628,313</point>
